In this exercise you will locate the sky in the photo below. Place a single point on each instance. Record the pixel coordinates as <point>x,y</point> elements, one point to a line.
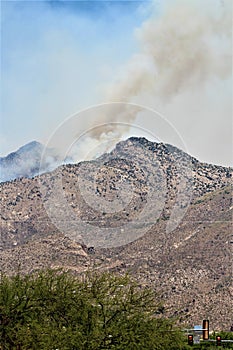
<point>168,63</point>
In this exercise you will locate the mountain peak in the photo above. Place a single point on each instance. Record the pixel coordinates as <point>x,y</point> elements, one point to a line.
<point>122,205</point>
<point>33,145</point>
<point>25,162</point>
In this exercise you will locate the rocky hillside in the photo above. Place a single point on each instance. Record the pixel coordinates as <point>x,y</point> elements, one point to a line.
<point>147,208</point>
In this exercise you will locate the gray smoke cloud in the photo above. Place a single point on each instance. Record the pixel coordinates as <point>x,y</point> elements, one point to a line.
<point>186,47</point>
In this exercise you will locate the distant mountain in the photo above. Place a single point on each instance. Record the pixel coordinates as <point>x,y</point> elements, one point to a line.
<point>25,162</point>
<point>132,194</point>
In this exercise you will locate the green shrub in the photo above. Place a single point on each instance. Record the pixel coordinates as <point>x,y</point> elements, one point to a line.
<point>55,310</point>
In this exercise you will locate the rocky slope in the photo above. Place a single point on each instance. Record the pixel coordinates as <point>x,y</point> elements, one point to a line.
<point>140,187</point>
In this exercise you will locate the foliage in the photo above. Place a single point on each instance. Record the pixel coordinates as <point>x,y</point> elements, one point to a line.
<point>55,310</point>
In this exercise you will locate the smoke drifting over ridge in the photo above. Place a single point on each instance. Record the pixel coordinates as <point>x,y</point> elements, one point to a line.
<point>183,49</point>
<point>181,69</point>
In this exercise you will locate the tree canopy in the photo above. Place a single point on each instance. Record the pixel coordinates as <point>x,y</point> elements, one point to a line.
<point>56,310</point>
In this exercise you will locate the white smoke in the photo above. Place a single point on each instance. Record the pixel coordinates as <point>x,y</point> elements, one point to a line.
<point>186,47</point>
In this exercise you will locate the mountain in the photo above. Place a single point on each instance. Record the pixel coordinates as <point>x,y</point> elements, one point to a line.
<point>147,208</point>
<point>25,162</point>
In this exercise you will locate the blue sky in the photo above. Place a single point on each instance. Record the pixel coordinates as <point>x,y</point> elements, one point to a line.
<point>56,57</point>
<point>59,57</point>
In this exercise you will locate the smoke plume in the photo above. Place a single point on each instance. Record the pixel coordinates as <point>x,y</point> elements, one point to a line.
<point>184,48</point>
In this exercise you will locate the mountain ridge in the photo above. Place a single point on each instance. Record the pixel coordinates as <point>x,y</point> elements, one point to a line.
<point>34,149</point>
<point>190,265</point>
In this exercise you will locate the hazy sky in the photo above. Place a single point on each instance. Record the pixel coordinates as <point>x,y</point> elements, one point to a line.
<point>60,57</point>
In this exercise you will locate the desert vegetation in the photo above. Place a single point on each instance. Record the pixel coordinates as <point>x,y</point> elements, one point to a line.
<point>56,310</point>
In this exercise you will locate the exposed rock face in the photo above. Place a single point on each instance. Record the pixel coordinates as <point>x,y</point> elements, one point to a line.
<point>190,264</point>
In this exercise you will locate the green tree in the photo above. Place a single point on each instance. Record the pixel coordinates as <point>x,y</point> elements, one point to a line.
<point>56,310</point>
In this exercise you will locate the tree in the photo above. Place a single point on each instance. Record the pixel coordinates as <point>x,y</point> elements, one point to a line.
<point>56,310</point>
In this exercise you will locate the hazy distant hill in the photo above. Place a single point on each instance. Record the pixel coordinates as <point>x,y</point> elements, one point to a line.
<point>26,162</point>
<point>191,264</point>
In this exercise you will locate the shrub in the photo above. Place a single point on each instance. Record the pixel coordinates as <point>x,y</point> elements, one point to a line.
<point>56,310</point>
